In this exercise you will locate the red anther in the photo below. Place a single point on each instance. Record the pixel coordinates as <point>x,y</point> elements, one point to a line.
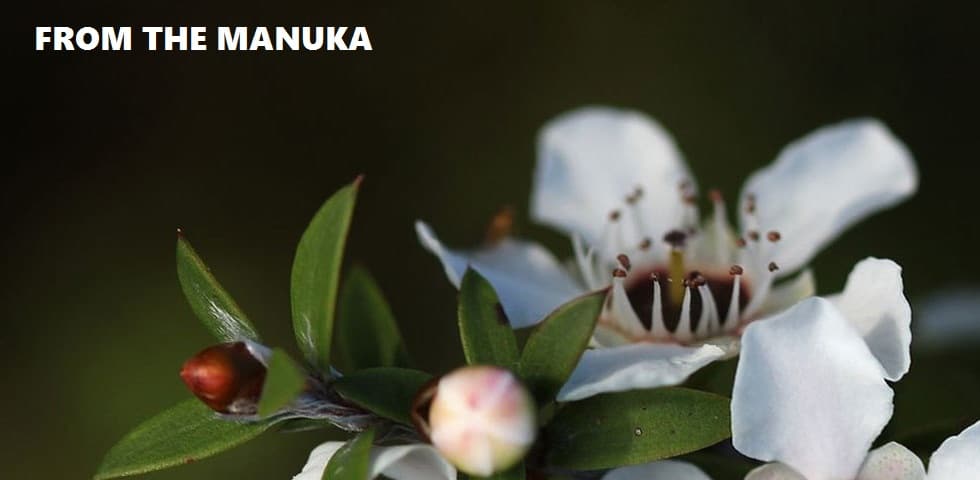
<point>614,215</point>
<point>740,242</point>
<point>715,195</point>
<point>773,236</point>
<point>624,261</point>
<point>654,277</point>
<point>773,267</point>
<point>675,238</point>
<point>619,273</point>
<point>736,270</point>
<point>646,243</point>
<point>750,203</point>
<point>226,377</point>
<point>753,235</point>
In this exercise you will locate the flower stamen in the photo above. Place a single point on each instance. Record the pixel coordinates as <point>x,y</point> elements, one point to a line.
<point>657,326</point>
<point>683,331</point>
<point>709,311</point>
<point>734,305</point>
<point>620,308</point>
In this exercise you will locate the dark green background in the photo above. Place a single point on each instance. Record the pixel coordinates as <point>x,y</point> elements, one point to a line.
<point>106,154</point>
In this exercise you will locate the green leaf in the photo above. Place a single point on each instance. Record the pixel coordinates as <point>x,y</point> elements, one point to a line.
<point>487,337</point>
<point>717,377</point>
<point>367,334</point>
<point>352,461</point>
<point>634,427</point>
<point>556,344</point>
<point>209,301</point>
<point>182,434</point>
<point>316,272</point>
<point>284,380</point>
<point>385,391</point>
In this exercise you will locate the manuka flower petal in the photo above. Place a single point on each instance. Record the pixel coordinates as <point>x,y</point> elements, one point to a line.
<point>528,279</point>
<point>826,181</point>
<point>874,302</point>
<point>808,393</point>
<point>638,365</point>
<point>588,159</point>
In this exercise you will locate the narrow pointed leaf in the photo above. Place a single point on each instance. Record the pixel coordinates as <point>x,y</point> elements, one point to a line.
<point>353,460</point>
<point>316,272</point>
<point>367,334</point>
<point>209,301</point>
<point>388,392</point>
<point>486,336</point>
<point>628,428</point>
<point>556,344</point>
<point>284,380</point>
<point>182,434</point>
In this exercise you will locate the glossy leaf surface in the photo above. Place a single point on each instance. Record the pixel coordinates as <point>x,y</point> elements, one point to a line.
<point>556,344</point>
<point>628,428</point>
<point>316,273</point>
<point>486,336</point>
<point>208,299</point>
<point>284,380</point>
<point>366,334</point>
<point>182,434</point>
<point>353,460</point>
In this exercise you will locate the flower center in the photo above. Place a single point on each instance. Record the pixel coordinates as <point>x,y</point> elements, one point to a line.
<point>640,291</point>
<point>686,285</point>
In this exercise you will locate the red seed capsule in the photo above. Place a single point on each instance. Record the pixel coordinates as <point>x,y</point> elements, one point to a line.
<point>227,377</point>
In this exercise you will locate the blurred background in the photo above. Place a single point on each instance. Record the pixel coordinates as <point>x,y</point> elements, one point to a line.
<point>107,154</point>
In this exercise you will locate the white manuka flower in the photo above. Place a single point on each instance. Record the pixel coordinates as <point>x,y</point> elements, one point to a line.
<point>810,394</point>
<point>681,290</point>
<point>403,462</point>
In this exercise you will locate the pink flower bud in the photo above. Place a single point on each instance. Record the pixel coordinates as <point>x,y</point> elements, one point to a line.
<point>227,377</point>
<point>482,419</point>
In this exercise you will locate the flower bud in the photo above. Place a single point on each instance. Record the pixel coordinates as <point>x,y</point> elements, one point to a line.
<point>482,419</point>
<point>227,377</point>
